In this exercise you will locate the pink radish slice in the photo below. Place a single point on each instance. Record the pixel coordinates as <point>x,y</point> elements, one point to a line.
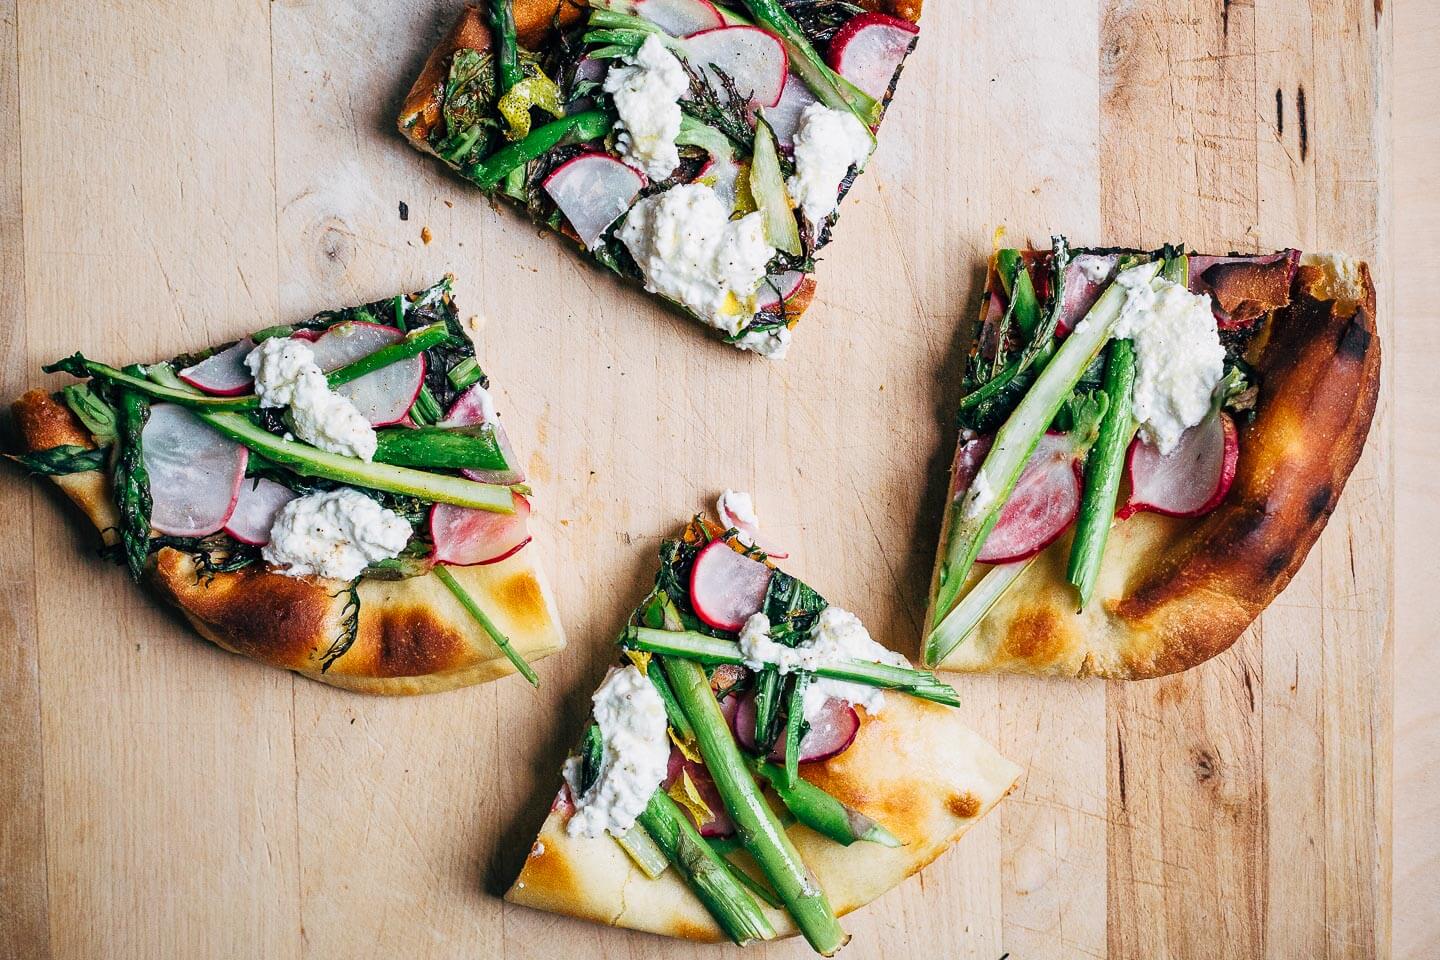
<point>869,48</point>
<point>195,473</point>
<point>749,532</point>
<point>726,588</point>
<point>830,733</point>
<point>719,824</point>
<point>465,537</point>
<point>1086,277</point>
<point>562,802</point>
<point>777,289</point>
<point>593,190</point>
<point>255,510</point>
<point>384,396</point>
<point>1043,503</point>
<point>784,117</point>
<point>679,17</point>
<point>1192,479</point>
<point>968,457</point>
<point>223,374</point>
<point>475,407</point>
<point>754,58</point>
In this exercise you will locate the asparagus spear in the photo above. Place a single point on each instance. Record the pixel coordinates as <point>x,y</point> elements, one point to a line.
<point>708,875</point>
<point>823,813</point>
<point>590,125</point>
<point>448,448</point>
<point>131,481</point>
<point>643,849</point>
<point>794,719</point>
<point>755,822</point>
<point>715,650</point>
<point>960,622</point>
<point>507,59</point>
<point>978,511</point>
<point>473,608</point>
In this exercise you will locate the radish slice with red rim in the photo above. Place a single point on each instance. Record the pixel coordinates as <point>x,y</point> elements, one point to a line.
<point>223,374</point>
<point>679,17</point>
<point>784,117</point>
<point>754,58</point>
<point>1192,479</point>
<point>726,587</point>
<point>777,289</point>
<point>1044,502</point>
<point>473,407</point>
<point>592,191</point>
<point>256,508</point>
<point>719,824</point>
<point>832,730</point>
<point>464,537</point>
<point>869,48</point>
<point>385,396</point>
<point>195,473</point>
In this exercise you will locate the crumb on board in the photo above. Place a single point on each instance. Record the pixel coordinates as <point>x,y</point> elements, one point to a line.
<point>404,211</point>
<point>426,236</point>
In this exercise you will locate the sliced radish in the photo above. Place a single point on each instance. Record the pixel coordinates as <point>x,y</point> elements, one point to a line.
<point>777,289</point>
<point>223,374</point>
<point>784,117</point>
<point>473,407</point>
<point>195,473</point>
<point>736,511</point>
<point>1086,277</point>
<point>679,17</point>
<point>1044,502</point>
<point>593,190</point>
<point>726,587</point>
<point>968,457</point>
<point>384,396</point>
<point>255,510</point>
<point>1192,479</point>
<point>719,824</point>
<point>831,731</point>
<point>869,48</point>
<point>465,537</point>
<point>754,58</point>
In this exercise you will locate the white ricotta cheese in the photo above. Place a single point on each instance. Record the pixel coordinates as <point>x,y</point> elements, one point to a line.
<point>827,144</point>
<point>1094,267</point>
<point>979,496</point>
<point>771,344</point>
<point>1178,356</point>
<point>635,758</point>
<point>335,534</point>
<point>737,509</point>
<point>646,89</point>
<point>286,375</point>
<point>838,635</point>
<point>692,252</point>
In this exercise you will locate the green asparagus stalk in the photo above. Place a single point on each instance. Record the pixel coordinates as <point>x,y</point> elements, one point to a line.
<point>760,888</point>
<point>794,719</point>
<point>755,822</point>
<point>767,708</point>
<point>644,851</point>
<point>473,608</point>
<point>446,448</point>
<point>131,481</point>
<point>673,713</point>
<point>464,373</point>
<point>590,125</point>
<point>507,48</point>
<point>977,512</point>
<point>821,812</point>
<point>715,650</point>
<point>767,186</point>
<point>63,460</point>
<point>425,411</point>
<point>708,875</point>
<point>1019,289</point>
<point>960,622</point>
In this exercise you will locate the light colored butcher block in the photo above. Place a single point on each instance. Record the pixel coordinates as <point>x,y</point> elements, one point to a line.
<point>178,173</point>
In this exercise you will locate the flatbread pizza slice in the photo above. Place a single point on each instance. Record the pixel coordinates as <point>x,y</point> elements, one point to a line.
<point>1150,444</point>
<point>337,497</point>
<point>756,765</point>
<point>697,149</point>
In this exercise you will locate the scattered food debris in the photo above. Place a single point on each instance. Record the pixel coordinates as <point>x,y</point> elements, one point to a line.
<point>404,210</point>
<point>426,236</point>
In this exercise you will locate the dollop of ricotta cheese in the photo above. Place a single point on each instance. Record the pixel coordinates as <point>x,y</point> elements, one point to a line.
<point>838,635</point>
<point>646,89</point>
<point>692,252</point>
<point>1178,355</point>
<point>635,757</point>
<point>827,143</point>
<point>286,375</point>
<point>334,534</point>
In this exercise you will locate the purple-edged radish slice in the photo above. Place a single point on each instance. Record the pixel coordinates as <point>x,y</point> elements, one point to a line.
<point>679,17</point>
<point>1190,480</point>
<point>831,731</point>
<point>1044,502</point>
<point>754,58</point>
<point>1086,277</point>
<point>777,289</point>
<point>593,190</point>
<point>784,117</point>
<point>384,396</point>
<point>726,587</point>
<point>195,473</point>
<point>719,824</point>
<point>869,48</point>
<point>256,508</point>
<point>464,537</point>
<point>474,407</point>
<point>223,374</point>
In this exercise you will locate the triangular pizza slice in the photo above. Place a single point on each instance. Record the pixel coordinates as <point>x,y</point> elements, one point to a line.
<point>336,497</point>
<point>1150,443</point>
<point>756,765</point>
<point>698,149</point>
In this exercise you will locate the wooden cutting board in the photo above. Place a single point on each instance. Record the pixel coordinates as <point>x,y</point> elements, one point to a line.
<point>173,174</point>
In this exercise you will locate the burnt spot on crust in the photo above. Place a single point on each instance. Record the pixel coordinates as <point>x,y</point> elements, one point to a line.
<point>1037,635</point>
<point>520,597</point>
<point>1247,290</point>
<point>44,422</point>
<point>403,641</point>
<point>1320,501</point>
<point>546,875</point>
<point>1354,342</point>
<point>685,929</point>
<point>966,806</point>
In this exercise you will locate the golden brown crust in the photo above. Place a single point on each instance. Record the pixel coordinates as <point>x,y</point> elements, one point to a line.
<point>1174,592</point>
<point>412,636</point>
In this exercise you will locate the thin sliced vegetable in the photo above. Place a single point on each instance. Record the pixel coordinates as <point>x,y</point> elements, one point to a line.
<point>1192,479</point>
<point>465,537</point>
<point>383,396</point>
<point>869,49</point>
<point>256,508</point>
<point>767,186</point>
<point>1043,503</point>
<point>726,587</point>
<point>754,58</point>
<point>223,374</point>
<point>959,623</point>
<point>194,472</point>
<point>482,618</point>
<point>592,191</point>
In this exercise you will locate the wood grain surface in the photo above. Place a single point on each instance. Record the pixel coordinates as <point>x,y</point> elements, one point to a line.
<point>173,174</point>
